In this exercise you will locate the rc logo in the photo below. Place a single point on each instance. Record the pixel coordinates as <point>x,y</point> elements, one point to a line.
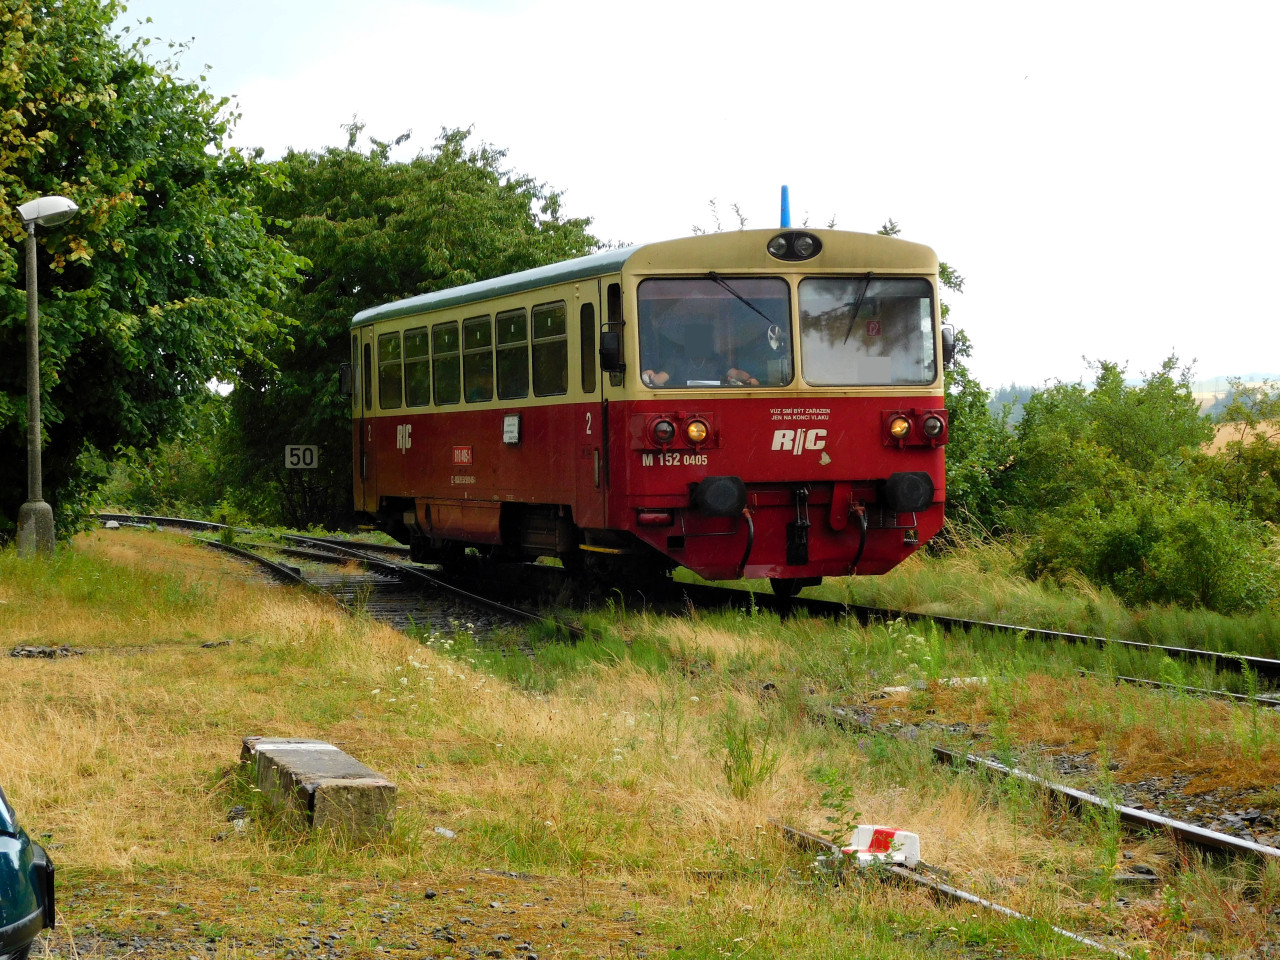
<point>404,440</point>
<point>799,440</point>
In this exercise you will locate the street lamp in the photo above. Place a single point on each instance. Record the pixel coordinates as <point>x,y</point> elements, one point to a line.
<point>35,518</point>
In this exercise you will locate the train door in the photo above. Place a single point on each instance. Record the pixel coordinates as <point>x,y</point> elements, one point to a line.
<point>590,466</point>
<point>615,366</point>
<point>366,472</point>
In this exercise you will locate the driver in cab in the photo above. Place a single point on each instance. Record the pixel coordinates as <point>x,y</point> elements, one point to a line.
<point>699,364</point>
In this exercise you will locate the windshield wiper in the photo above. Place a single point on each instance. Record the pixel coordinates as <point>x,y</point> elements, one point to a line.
<point>857,305</point>
<point>724,283</point>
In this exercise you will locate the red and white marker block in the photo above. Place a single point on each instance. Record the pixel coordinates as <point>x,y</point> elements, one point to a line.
<point>887,844</point>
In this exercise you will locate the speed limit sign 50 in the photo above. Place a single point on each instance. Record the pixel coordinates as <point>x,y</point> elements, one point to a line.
<point>301,457</point>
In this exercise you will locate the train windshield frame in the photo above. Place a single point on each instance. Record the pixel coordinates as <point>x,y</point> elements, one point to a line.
<point>707,331</point>
<point>863,331</point>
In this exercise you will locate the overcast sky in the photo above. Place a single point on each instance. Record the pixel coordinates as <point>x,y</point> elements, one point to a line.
<point>1104,175</point>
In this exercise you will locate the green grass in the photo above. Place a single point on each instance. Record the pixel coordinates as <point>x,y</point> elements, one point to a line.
<point>982,580</point>
<point>631,774</point>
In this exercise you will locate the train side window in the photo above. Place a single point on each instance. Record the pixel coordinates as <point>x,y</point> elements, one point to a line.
<point>390,374</point>
<point>587,338</point>
<point>417,368</point>
<point>367,373</point>
<point>513,355</point>
<point>444,362</point>
<point>613,326</point>
<point>477,359</point>
<point>550,349</point>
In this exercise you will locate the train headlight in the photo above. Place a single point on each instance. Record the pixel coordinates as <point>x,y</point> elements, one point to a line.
<point>664,431</point>
<point>932,426</point>
<point>696,431</point>
<point>794,245</point>
<point>899,428</point>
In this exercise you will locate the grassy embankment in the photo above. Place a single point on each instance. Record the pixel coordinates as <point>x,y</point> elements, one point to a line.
<point>627,782</point>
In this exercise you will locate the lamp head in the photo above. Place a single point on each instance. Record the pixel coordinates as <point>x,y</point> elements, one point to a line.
<point>47,211</point>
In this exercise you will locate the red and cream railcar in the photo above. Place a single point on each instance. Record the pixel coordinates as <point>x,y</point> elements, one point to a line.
<point>758,403</point>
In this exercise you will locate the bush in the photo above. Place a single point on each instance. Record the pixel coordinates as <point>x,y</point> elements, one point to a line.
<point>1155,549</point>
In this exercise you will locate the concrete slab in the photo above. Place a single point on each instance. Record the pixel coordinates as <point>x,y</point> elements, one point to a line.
<point>328,788</point>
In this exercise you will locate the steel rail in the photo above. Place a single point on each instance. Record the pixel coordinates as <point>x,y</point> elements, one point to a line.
<point>1187,832</point>
<point>309,553</point>
<point>394,549</point>
<point>811,841</point>
<point>413,572</point>
<point>1262,666</point>
<point>281,571</point>
<point>145,520</point>
<point>401,570</point>
<point>1270,702</point>
<point>1227,662</point>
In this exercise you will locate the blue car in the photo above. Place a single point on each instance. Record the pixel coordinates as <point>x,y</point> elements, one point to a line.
<point>26,887</point>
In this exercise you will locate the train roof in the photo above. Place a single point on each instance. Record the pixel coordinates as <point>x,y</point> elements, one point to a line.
<point>873,251</point>
<point>593,265</point>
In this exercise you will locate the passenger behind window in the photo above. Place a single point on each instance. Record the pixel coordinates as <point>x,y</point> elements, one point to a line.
<point>480,386</point>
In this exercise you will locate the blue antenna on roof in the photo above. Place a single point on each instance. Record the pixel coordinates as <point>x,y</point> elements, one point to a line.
<point>786,207</point>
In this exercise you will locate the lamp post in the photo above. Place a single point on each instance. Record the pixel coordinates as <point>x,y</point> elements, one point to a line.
<point>35,517</point>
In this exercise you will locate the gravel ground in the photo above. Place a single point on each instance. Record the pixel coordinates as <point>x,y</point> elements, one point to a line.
<point>489,914</point>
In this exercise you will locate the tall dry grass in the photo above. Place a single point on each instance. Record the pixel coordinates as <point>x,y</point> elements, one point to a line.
<point>617,773</point>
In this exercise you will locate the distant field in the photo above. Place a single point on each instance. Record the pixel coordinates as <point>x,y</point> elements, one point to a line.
<point>1226,432</point>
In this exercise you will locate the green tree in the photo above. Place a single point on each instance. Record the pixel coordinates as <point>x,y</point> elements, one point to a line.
<point>1109,483</point>
<point>180,476</point>
<point>165,278</point>
<point>1246,470</point>
<point>1075,444</point>
<point>979,447</point>
<point>374,230</point>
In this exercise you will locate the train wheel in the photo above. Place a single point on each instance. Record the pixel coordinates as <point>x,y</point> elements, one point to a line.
<point>788,587</point>
<point>626,574</point>
<point>450,554</point>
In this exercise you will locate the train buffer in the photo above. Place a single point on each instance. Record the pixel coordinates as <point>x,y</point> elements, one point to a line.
<point>328,788</point>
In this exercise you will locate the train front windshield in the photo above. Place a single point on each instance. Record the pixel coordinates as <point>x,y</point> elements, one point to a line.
<point>866,331</point>
<point>715,331</point>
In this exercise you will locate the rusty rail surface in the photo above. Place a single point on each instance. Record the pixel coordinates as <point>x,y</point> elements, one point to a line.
<point>1187,832</point>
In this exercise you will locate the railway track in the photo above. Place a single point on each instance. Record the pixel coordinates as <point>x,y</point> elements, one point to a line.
<point>1262,667</point>
<point>412,575</point>
<point>1078,800</point>
<point>923,875</point>
<point>1188,833</point>
<point>363,577</point>
<point>705,595</point>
